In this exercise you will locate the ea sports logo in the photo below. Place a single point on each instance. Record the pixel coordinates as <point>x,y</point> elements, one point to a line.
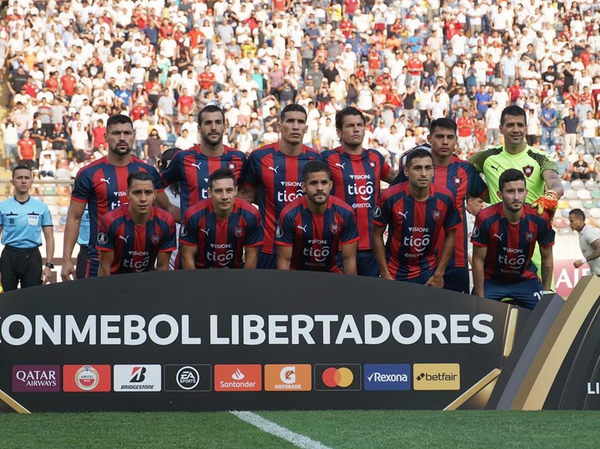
<point>188,378</point>
<point>337,377</point>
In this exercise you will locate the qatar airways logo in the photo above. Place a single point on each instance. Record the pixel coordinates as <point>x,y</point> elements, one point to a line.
<point>222,259</point>
<point>318,254</point>
<point>364,192</point>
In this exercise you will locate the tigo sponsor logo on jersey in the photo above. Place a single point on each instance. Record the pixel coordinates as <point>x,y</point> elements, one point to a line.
<point>436,376</point>
<point>288,378</point>
<point>387,377</point>
<point>338,377</point>
<point>86,378</point>
<point>137,378</point>
<point>238,378</point>
<point>36,378</point>
<point>190,378</point>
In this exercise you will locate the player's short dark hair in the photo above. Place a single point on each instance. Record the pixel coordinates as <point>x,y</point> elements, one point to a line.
<point>118,119</point>
<point>578,213</point>
<point>20,167</point>
<point>444,123</point>
<point>221,173</point>
<point>510,175</point>
<point>315,167</point>
<point>417,153</point>
<point>210,108</point>
<point>513,111</point>
<point>350,110</point>
<point>293,107</point>
<point>140,176</point>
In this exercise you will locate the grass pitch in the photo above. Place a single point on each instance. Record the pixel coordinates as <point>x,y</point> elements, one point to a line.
<point>336,429</point>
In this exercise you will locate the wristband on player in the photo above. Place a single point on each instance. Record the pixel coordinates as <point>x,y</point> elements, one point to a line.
<point>584,260</point>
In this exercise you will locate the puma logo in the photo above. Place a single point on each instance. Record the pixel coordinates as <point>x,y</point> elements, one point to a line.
<point>404,214</point>
<point>107,180</point>
<point>274,169</point>
<point>302,227</point>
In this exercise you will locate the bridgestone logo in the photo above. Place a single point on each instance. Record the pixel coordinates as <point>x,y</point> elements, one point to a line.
<point>236,384</point>
<point>137,387</point>
<point>379,377</point>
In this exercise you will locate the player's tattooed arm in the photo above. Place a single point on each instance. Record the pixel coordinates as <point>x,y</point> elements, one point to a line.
<point>553,182</point>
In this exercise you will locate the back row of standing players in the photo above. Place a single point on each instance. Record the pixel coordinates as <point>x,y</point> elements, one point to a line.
<point>272,178</point>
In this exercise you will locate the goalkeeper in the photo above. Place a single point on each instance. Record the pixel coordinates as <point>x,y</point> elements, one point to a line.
<point>543,183</point>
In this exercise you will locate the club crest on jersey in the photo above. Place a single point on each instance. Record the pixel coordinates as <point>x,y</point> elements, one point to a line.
<point>528,170</point>
<point>155,238</point>
<point>372,164</point>
<point>457,181</point>
<point>278,232</point>
<point>529,236</point>
<point>102,238</point>
<point>231,167</point>
<point>436,214</point>
<point>334,227</point>
<point>238,231</point>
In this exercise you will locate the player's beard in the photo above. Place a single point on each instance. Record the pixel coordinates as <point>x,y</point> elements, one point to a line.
<point>318,198</point>
<point>122,151</point>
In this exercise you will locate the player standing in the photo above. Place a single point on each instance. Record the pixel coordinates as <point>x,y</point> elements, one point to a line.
<point>416,212</point>
<point>357,173</point>
<point>504,239</point>
<point>314,226</point>
<point>274,174</point>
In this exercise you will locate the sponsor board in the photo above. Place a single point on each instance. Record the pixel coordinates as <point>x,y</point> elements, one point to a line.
<point>137,378</point>
<point>86,378</point>
<point>436,376</point>
<point>36,378</point>
<point>288,377</point>
<point>238,378</point>
<point>387,377</point>
<point>191,378</point>
<point>338,377</point>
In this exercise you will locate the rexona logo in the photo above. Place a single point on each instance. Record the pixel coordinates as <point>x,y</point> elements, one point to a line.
<point>36,378</point>
<point>192,378</point>
<point>137,378</point>
<point>436,376</point>
<point>387,377</point>
<point>288,378</point>
<point>86,378</point>
<point>238,378</point>
<point>338,377</point>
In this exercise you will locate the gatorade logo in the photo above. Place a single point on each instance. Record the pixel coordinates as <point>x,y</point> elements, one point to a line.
<point>338,377</point>
<point>287,378</point>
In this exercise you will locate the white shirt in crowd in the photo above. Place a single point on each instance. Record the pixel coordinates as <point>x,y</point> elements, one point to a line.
<point>587,236</point>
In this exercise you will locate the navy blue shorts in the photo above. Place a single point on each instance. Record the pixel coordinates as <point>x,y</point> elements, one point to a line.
<point>421,279</point>
<point>457,279</point>
<point>366,264</point>
<point>266,261</point>
<point>525,294</point>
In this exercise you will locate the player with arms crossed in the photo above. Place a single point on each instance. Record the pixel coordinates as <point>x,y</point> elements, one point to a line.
<point>136,235</point>
<point>416,212</point>
<point>102,185</point>
<point>357,174</point>
<point>461,178</point>
<point>274,175</point>
<point>313,227</point>
<point>504,239</point>
<point>218,231</point>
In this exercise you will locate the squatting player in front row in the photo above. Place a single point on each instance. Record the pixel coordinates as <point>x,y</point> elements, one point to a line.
<point>504,239</point>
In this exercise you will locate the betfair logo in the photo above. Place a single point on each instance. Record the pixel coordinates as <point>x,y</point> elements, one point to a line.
<point>436,376</point>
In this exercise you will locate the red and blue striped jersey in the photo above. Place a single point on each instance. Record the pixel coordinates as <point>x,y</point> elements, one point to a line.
<point>277,177</point>
<point>221,241</point>
<point>316,238</point>
<point>414,228</point>
<point>103,187</point>
<point>356,180</point>
<point>461,178</point>
<point>510,246</point>
<point>192,168</point>
<point>136,246</point>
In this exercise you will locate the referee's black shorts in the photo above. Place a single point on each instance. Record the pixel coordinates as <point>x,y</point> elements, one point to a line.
<point>23,265</point>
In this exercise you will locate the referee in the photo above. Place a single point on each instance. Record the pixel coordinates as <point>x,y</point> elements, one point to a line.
<point>22,220</point>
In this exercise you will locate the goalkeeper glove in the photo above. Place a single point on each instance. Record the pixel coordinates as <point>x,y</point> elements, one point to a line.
<point>548,203</point>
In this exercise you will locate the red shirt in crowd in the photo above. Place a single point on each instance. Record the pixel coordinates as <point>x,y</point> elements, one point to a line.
<point>137,111</point>
<point>27,147</point>
<point>515,92</point>
<point>98,134</point>
<point>350,6</point>
<point>346,28</point>
<point>374,60</point>
<point>52,84</point>
<point>186,104</point>
<point>415,66</point>
<point>206,79</point>
<point>165,30</point>
<point>465,126</point>
<point>68,83</point>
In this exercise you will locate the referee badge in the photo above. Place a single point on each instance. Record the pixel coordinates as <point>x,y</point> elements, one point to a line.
<point>102,238</point>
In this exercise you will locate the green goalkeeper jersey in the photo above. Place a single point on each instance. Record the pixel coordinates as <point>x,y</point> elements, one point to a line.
<point>531,161</point>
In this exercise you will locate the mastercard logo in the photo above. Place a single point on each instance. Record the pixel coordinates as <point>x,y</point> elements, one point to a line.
<point>346,377</point>
<point>337,377</point>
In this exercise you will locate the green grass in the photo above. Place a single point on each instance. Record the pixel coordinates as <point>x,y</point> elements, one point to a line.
<point>337,429</point>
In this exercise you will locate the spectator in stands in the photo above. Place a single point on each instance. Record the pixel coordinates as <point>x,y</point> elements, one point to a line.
<point>580,169</point>
<point>570,128</point>
<point>589,129</point>
<point>26,150</point>
<point>562,166</point>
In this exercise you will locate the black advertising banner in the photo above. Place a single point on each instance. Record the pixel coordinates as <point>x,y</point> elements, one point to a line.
<point>248,340</point>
